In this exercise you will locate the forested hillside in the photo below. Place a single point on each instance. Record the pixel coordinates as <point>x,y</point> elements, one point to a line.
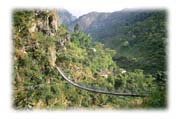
<point>141,44</point>
<point>138,36</point>
<point>41,44</point>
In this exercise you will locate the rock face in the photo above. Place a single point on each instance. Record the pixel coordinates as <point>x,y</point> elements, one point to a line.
<point>90,21</point>
<point>45,21</point>
<point>65,16</point>
<point>52,55</point>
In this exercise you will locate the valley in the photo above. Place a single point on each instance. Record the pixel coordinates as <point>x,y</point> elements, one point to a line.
<point>123,52</point>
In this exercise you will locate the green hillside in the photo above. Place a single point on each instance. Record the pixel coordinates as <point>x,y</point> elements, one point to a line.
<point>142,43</point>
<point>41,44</point>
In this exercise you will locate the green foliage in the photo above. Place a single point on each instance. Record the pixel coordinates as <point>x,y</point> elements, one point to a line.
<point>21,19</point>
<point>144,40</point>
<point>76,28</point>
<point>81,39</point>
<point>134,81</point>
<point>37,84</point>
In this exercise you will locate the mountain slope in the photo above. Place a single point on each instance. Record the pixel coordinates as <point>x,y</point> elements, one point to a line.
<point>128,32</point>
<point>65,16</point>
<point>102,25</point>
<point>90,22</point>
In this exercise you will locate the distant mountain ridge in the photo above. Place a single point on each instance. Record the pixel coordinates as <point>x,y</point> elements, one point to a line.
<point>90,21</point>
<point>65,16</point>
<point>102,25</point>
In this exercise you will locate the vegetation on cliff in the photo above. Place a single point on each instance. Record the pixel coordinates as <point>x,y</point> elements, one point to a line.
<point>40,43</point>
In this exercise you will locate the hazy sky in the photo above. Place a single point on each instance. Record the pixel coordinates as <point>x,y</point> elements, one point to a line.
<point>80,7</point>
<point>79,12</point>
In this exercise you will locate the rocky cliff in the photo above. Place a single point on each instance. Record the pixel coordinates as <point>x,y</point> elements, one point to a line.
<point>45,21</point>
<point>29,26</point>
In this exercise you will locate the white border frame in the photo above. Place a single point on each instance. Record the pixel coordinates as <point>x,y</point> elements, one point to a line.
<point>6,50</point>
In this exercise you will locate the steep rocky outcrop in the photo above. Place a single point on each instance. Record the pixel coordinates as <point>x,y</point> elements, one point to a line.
<point>45,21</point>
<point>31,24</point>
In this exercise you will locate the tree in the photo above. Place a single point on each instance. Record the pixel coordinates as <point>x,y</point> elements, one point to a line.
<point>76,28</point>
